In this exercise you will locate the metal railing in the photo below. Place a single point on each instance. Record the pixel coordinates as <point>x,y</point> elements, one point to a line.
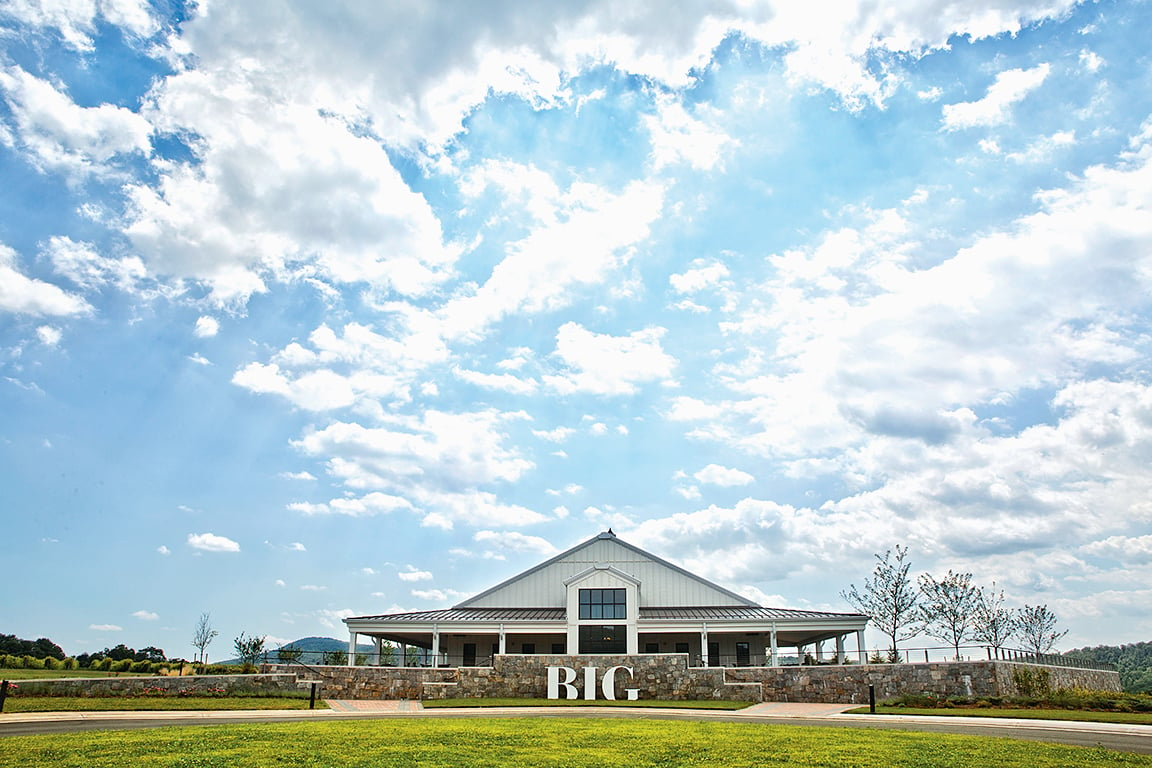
<point>916,655</point>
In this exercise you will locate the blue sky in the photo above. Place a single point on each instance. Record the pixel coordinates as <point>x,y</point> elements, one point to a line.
<point>316,310</point>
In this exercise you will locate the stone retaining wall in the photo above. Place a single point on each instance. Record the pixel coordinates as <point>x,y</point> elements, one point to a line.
<point>266,684</point>
<point>668,677</point>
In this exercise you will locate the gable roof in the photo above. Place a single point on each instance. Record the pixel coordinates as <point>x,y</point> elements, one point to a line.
<point>489,597</point>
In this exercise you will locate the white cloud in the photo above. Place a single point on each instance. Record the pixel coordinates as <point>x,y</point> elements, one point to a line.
<point>1010,87</point>
<point>512,541</point>
<point>297,547</point>
<point>77,21</point>
<point>556,435</point>
<point>431,595</point>
<point>49,336</point>
<point>199,359</point>
<point>105,627</point>
<point>280,583</point>
<point>414,575</point>
<point>375,503</point>
<point>714,474</point>
<point>55,133</point>
<point>83,265</point>
<point>146,615</point>
<point>704,274</point>
<point>312,588</point>
<point>504,382</point>
<point>592,237</point>
<point>206,327</point>
<point>303,475</point>
<point>609,365</point>
<point>163,550</point>
<point>24,295</point>
<point>680,137</point>
<point>210,542</point>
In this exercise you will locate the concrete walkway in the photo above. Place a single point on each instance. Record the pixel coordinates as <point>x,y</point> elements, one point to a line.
<point>1128,738</point>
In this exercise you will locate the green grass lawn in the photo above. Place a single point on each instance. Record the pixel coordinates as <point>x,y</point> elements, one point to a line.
<point>46,674</point>
<point>150,703</point>
<point>539,743</point>
<point>438,703</point>
<point>1083,715</point>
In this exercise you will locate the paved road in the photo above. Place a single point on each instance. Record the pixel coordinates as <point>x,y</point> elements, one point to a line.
<point>1127,738</point>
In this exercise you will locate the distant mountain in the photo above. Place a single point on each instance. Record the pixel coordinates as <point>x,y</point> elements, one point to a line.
<point>321,644</point>
<point>1133,662</point>
<point>312,648</point>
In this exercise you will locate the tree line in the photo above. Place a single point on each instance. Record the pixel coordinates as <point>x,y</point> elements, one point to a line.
<point>952,609</point>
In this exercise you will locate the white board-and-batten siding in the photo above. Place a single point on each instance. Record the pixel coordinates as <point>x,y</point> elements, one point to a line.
<point>660,583</point>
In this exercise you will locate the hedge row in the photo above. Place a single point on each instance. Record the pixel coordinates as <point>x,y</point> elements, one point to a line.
<point>8,661</point>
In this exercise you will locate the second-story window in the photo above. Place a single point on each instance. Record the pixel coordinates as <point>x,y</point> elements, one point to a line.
<point>603,604</point>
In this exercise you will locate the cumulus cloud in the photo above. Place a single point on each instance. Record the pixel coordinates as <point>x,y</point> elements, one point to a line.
<point>20,294</point>
<point>163,550</point>
<point>412,574</point>
<point>609,365</point>
<point>206,327</point>
<point>726,477</point>
<point>1010,87</point>
<point>513,541</point>
<point>210,542</point>
<point>146,615</point>
<point>105,627</point>
<point>54,133</point>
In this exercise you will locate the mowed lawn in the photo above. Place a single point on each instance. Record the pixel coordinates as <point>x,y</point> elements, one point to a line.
<point>540,743</point>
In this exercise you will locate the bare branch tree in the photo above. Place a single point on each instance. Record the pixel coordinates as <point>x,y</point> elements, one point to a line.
<point>948,607</point>
<point>1037,627</point>
<point>993,623</point>
<point>889,598</point>
<point>203,635</point>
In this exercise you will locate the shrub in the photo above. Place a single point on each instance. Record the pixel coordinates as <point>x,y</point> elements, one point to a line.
<point>8,661</point>
<point>1031,681</point>
<point>121,666</point>
<point>31,662</point>
<point>71,663</point>
<point>53,663</point>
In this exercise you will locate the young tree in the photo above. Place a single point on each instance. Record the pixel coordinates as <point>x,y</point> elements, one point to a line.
<point>248,649</point>
<point>889,598</point>
<point>1037,627</point>
<point>992,623</point>
<point>288,654</point>
<point>203,635</point>
<point>948,607</point>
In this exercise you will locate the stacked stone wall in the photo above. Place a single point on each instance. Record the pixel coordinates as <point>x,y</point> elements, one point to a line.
<point>668,677</point>
<point>266,684</point>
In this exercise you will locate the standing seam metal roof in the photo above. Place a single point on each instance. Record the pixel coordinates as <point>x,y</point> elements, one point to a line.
<point>707,613</point>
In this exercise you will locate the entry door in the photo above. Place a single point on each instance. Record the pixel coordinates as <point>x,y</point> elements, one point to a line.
<point>713,654</point>
<point>743,655</point>
<point>469,654</point>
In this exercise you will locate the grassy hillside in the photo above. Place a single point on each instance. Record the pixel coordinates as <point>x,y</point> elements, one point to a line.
<point>1134,662</point>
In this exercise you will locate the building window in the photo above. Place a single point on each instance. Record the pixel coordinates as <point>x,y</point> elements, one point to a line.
<point>681,647</point>
<point>603,604</point>
<point>651,647</point>
<point>528,648</point>
<point>603,639</point>
<point>558,648</point>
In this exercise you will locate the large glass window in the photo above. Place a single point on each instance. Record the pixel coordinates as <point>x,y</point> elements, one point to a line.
<point>603,604</point>
<point>603,639</point>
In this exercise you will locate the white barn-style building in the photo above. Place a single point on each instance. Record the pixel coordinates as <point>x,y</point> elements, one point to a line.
<point>606,596</point>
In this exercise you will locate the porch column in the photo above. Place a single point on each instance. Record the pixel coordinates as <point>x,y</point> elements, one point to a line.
<point>704,644</point>
<point>503,641</point>
<point>351,661</point>
<point>772,660</point>
<point>839,649</point>
<point>819,651</point>
<point>403,654</point>
<point>378,642</point>
<point>435,646</point>
<point>860,645</point>
<point>800,653</point>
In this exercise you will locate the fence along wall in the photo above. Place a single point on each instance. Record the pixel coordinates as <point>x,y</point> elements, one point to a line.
<point>667,677</point>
